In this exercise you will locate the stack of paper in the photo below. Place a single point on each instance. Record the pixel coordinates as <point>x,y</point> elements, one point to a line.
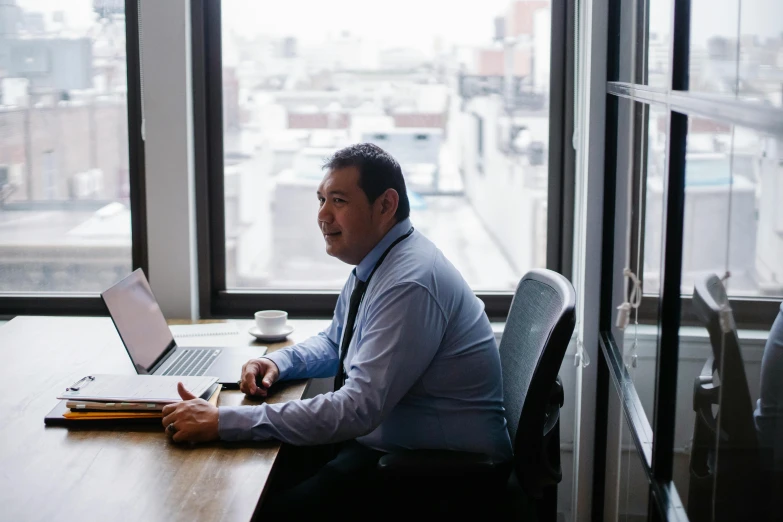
<point>180,331</point>
<point>127,398</point>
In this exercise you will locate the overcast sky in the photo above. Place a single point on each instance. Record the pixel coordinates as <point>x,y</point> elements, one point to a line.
<point>417,23</point>
<point>414,23</point>
<point>468,22</point>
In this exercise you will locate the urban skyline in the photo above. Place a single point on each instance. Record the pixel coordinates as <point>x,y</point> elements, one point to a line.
<point>473,144</point>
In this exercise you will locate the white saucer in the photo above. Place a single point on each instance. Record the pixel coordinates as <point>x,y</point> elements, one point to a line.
<point>270,338</point>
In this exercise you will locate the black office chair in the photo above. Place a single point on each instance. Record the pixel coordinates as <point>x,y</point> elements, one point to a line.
<point>726,479</point>
<point>458,484</point>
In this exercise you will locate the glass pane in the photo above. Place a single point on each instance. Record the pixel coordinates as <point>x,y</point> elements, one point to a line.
<point>727,463</point>
<point>461,101</point>
<point>735,49</point>
<point>731,453</point>
<point>644,45</point>
<point>713,46</point>
<point>640,164</point>
<point>756,242</point>
<point>628,46</point>
<point>633,494</point>
<point>731,173</point>
<point>722,469</point>
<point>64,207</point>
<point>659,43</point>
<point>760,55</point>
<point>626,489</point>
<point>655,199</point>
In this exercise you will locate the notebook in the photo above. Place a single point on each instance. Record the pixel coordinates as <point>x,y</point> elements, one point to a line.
<point>180,331</point>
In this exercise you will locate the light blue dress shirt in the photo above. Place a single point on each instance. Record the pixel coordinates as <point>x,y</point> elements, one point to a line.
<point>423,368</point>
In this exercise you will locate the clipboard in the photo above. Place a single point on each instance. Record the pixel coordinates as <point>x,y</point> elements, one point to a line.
<point>134,388</point>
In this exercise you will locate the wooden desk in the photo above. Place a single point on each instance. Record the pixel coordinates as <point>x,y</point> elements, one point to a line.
<point>52,473</point>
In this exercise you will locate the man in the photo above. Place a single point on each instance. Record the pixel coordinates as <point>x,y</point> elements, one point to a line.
<point>421,369</point>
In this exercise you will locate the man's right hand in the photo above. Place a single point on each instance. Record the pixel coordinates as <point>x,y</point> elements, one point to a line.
<point>257,376</point>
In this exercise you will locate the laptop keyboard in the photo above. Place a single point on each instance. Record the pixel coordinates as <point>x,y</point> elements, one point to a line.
<point>192,362</point>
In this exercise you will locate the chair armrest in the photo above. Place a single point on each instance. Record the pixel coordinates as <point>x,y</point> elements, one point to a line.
<point>550,471</point>
<point>439,463</point>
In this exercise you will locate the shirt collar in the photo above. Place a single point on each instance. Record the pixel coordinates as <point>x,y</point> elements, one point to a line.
<point>364,269</point>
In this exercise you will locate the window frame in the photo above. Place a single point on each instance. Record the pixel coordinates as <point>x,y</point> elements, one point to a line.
<point>55,303</point>
<point>214,298</point>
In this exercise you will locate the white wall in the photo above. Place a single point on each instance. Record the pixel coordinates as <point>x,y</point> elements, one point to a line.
<point>168,149</point>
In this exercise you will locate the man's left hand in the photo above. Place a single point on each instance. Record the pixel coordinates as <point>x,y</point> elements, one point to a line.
<point>192,420</point>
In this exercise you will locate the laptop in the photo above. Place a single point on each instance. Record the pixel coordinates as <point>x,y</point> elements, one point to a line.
<point>151,345</point>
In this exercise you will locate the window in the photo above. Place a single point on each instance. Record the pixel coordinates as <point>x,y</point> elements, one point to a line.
<point>691,192</point>
<point>729,165</point>
<point>732,183</point>
<point>67,152</point>
<point>462,102</point>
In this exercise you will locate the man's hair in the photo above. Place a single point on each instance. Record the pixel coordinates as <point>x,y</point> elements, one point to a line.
<point>378,172</point>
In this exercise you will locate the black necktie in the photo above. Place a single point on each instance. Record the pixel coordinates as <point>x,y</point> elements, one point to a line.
<point>353,309</point>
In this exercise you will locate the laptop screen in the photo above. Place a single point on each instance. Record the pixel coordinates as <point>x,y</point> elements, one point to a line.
<point>138,320</point>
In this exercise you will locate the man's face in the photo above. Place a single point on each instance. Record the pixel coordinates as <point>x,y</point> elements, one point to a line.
<point>350,224</point>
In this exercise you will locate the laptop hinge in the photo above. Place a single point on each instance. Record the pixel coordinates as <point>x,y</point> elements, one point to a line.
<point>164,356</point>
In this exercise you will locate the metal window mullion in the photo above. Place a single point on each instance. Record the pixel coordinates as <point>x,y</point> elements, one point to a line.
<point>214,93</point>
<point>136,170</point>
<point>200,157</point>
<point>208,147</point>
<point>607,257</point>
<point>557,141</point>
<point>664,416</point>
<point>670,303</point>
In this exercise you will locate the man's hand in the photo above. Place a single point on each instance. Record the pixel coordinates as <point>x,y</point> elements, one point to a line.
<point>257,376</point>
<point>193,420</point>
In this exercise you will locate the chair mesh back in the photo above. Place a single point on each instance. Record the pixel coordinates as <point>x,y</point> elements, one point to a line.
<point>534,312</point>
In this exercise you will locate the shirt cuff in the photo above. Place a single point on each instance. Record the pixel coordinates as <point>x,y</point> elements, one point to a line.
<point>236,422</point>
<point>281,358</point>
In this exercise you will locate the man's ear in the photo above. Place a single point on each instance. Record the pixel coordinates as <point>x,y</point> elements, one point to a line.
<point>390,200</point>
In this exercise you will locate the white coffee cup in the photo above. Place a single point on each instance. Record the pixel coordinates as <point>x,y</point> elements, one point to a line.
<point>271,322</point>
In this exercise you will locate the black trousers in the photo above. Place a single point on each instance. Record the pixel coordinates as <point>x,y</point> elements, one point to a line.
<point>334,480</point>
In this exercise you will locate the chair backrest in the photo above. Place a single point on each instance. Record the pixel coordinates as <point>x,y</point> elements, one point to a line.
<point>710,304</point>
<point>537,332</point>
<point>726,479</point>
